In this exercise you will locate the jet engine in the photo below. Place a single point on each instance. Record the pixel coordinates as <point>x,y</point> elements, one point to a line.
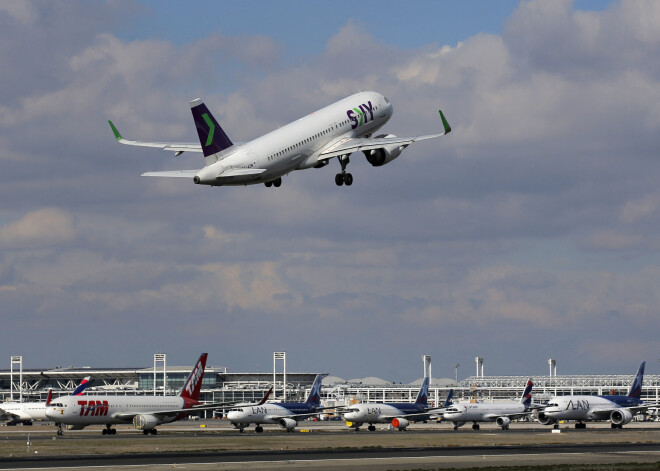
<point>503,422</point>
<point>545,420</point>
<point>145,422</point>
<point>621,416</point>
<point>384,155</point>
<point>288,424</point>
<point>401,424</point>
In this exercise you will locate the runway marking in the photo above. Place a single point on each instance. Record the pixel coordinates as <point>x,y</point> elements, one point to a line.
<point>301,461</point>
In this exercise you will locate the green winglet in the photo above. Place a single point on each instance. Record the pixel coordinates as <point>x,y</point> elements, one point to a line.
<point>445,124</point>
<point>114,130</point>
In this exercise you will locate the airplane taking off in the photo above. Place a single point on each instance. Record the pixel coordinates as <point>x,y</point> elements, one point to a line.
<point>501,412</point>
<point>398,414</point>
<point>338,130</point>
<point>26,412</point>
<point>619,410</point>
<point>284,414</point>
<point>145,412</point>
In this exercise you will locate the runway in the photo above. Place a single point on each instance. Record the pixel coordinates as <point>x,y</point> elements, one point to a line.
<point>327,446</point>
<point>406,458</point>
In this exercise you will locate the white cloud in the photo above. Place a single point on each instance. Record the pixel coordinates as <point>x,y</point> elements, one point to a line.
<point>39,228</point>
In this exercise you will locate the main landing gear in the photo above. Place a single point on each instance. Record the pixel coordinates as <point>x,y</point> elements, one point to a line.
<point>371,428</point>
<point>276,183</point>
<point>259,429</point>
<point>153,431</point>
<point>475,426</point>
<point>108,430</point>
<point>343,177</point>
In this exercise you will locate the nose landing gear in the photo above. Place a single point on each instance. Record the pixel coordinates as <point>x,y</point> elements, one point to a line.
<point>343,177</point>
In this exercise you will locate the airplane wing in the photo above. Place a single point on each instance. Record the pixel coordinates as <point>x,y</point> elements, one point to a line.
<point>4,415</point>
<point>172,174</point>
<point>604,413</point>
<point>177,147</point>
<point>358,144</point>
<point>171,412</point>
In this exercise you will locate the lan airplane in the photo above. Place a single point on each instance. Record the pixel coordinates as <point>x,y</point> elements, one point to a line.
<point>338,130</point>
<point>499,412</point>
<point>284,414</point>
<point>26,412</point>
<point>619,410</point>
<point>145,412</point>
<point>398,414</point>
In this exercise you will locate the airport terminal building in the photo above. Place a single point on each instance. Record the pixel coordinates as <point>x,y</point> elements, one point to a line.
<point>220,385</point>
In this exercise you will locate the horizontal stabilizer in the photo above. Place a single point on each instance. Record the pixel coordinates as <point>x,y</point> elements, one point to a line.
<point>172,174</point>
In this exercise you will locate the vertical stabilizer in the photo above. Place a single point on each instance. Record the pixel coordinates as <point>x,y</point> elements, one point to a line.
<point>314,397</point>
<point>423,395</point>
<point>526,398</point>
<point>193,384</point>
<point>81,387</point>
<point>636,388</point>
<point>449,398</point>
<point>50,397</point>
<point>211,136</point>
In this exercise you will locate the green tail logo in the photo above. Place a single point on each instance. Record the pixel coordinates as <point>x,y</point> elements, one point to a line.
<point>208,121</point>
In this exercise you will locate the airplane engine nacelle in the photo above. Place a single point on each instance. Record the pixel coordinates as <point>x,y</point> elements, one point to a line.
<point>400,423</point>
<point>145,422</point>
<point>379,157</point>
<point>545,420</point>
<point>75,427</point>
<point>621,416</point>
<point>503,421</point>
<point>288,424</point>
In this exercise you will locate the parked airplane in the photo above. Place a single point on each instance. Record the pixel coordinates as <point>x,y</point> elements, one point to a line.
<point>501,412</point>
<point>398,414</point>
<point>284,414</point>
<point>619,410</point>
<point>145,412</point>
<point>338,130</point>
<point>26,412</point>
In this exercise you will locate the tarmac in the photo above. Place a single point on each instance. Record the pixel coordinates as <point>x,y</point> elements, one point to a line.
<point>328,445</point>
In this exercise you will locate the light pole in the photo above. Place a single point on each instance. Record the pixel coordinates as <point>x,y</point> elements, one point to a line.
<point>456,366</point>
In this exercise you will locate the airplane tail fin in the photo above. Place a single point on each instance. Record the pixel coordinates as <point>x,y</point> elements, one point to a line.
<point>81,387</point>
<point>211,135</point>
<point>636,388</point>
<point>315,393</point>
<point>449,398</point>
<point>266,396</point>
<point>193,384</point>
<point>526,398</point>
<point>50,397</point>
<point>423,395</point>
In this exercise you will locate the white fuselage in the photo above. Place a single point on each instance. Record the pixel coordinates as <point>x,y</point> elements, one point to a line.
<point>297,145</point>
<point>24,410</point>
<point>482,412</point>
<point>376,413</point>
<point>583,408</point>
<point>263,414</point>
<point>89,410</point>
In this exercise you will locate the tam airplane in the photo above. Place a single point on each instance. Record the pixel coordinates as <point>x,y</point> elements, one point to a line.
<point>501,412</point>
<point>338,130</point>
<point>398,414</point>
<point>145,412</point>
<point>619,410</point>
<point>284,414</point>
<point>27,412</point>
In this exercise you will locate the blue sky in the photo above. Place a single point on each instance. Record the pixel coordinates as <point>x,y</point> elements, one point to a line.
<point>531,231</point>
